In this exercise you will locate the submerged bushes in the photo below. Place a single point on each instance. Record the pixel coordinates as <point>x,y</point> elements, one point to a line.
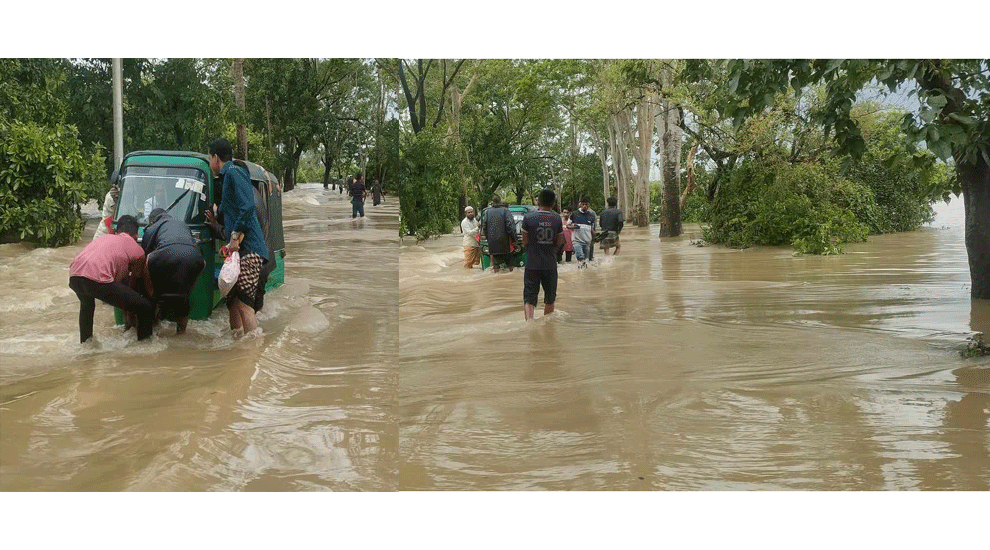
<point>807,206</point>
<point>817,205</point>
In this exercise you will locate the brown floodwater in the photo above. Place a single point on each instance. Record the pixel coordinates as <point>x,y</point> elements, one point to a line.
<point>679,367</point>
<point>307,405</point>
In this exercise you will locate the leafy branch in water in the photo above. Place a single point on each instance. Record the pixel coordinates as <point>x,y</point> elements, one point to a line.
<point>976,347</point>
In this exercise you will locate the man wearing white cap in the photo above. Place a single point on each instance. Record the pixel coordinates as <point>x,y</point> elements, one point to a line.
<point>472,248</point>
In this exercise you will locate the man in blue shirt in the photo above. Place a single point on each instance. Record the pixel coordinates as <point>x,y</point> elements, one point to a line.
<point>542,233</point>
<point>239,217</point>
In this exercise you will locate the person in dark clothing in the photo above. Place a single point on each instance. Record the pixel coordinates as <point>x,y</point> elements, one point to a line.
<point>98,272</point>
<point>358,194</point>
<point>174,264</point>
<point>611,222</point>
<point>542,233</point>
<point>377,192</point>
<point>499,230</point>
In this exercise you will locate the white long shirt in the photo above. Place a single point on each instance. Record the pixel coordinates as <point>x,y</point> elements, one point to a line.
<point>470,230</point>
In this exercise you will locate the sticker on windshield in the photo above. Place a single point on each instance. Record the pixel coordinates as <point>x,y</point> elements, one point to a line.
<point>193,185</point>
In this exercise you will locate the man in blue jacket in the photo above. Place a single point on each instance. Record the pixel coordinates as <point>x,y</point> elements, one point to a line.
<point>239,217</point>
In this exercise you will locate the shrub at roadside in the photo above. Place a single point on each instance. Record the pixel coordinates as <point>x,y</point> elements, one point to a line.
<point>44,177</point>
<point>806,205</point>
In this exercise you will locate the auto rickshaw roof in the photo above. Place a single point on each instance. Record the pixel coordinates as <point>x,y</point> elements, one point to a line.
<point>255,171</point>
<point>166,157</point>
<point>516,207</point>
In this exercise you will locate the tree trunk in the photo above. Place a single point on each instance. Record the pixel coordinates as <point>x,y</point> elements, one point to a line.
<point>690,175</point>
<point>290,171</point>
<point>268,124</point>
<point>975,180</point>
<point>574,154</point>
<point>327,163</point>
<point>237,72</point>
<point>618,143</point>
<point>670,215</point>
<point>642,151</point>
<point>454,133</point>
<point>601,150</point>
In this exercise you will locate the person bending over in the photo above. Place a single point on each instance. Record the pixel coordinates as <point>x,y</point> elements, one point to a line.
<point>99,272</point>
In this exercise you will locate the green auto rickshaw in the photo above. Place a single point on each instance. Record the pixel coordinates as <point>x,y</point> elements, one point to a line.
<point>182,183</point>
<point>518,257</point>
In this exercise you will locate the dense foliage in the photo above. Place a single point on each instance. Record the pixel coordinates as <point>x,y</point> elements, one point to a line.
<point>817,204</point>
<point>44,177</point>
<point>953,119</point>
<point>428,178</point>
<point>45,171</point>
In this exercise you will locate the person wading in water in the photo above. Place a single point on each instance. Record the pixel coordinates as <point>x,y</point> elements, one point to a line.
<point>611,221</point>
<point>472,248</point>
<point>542,233</point>
<point>98,272</point>
<point>500,232</point>
<point>239,217</point>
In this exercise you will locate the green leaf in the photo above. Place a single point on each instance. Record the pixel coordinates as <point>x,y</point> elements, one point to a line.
<point>912,70</point>
<point>968,121</point>
<point>937,102</point>
<point>734,82</point>
<point>941,149</point>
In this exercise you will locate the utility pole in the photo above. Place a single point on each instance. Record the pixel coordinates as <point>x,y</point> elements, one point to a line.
<point>237,71</point>
<point>118,113</point>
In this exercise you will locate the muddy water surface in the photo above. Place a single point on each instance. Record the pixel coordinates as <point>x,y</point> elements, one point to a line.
<point>307,405</point>
<point>674,366</point>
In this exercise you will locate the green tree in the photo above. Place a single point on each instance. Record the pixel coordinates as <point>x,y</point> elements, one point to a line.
<point>174,104</point>
<point>954,120</point>
<point>45,172</point>
<point>285,98</point>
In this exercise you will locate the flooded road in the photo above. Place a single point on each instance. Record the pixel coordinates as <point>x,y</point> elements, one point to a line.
<point>678,367</point>
<point>309,405</point>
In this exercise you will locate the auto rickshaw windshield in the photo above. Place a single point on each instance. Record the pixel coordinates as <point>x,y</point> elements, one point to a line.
<point>518,218</point>
<point>178,190</point>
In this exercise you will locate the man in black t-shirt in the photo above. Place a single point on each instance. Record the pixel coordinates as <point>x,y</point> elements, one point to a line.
<point>611,221</point>
<point>542,233</point>
<point>358,194</point>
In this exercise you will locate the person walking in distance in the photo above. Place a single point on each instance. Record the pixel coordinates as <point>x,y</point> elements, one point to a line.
<point>472,248</point>
<point>542,233</point>
<point>611,222</point>
<point>358,194</point>
<point>582,236</point>
<point>376,190</point>
<point>568,247</point>
<point>500,232</point>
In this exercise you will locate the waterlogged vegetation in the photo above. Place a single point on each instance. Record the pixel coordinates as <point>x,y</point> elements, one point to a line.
<point>976,347</point>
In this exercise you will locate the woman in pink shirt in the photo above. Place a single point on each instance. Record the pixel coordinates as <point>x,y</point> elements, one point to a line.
<point>99,272</point>
<point>568,245</point>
